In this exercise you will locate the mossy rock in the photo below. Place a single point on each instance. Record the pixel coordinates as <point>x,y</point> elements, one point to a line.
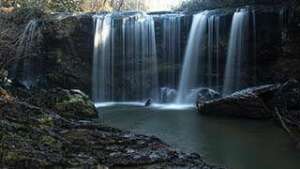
<point>72,104</point>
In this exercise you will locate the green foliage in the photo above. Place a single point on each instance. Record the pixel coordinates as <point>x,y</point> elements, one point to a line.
<point>45,5</point>
<point>75,5</point>
<point>197,5</point>
<point>64,6</point>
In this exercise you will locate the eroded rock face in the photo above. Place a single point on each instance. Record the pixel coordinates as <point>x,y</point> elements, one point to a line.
<point>34,138</point>
<point>69,51</point>
<point>277,48</point>
<point>68,48</point>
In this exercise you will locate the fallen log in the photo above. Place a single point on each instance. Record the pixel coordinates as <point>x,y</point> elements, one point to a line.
<point>248,103</point>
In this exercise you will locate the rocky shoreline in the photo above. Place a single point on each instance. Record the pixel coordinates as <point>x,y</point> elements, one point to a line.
<point>36,136</point>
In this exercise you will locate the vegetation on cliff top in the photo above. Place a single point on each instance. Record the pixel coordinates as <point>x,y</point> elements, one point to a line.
<point>196,5</point>
<point>74,5</point>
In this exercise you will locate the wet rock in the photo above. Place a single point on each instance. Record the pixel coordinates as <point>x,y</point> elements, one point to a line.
<point>3,77</point>
<point>148,103</point>
<point>167,95</point>
<point>201,94</point>
<point>206,94</point>
<point>74,104</point>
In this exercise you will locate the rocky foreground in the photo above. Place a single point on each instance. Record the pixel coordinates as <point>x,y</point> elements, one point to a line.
<point>41,132</point>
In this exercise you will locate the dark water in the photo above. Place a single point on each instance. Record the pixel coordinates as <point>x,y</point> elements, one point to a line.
<point>235,143</point>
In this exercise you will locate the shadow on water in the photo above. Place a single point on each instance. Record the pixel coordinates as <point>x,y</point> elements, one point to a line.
<point>235,143</point>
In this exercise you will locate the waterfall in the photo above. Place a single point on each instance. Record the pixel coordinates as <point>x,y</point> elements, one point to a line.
<point>171,48</point>
<point>193,57</point>
<point>213,63</point>
<point>125,61</point>
<point>283,22</point>
<point>254,46</point>
<point>29,67</point>
<point>102,75</point>
<point>237,51</point>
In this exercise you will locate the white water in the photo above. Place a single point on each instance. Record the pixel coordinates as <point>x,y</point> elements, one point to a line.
<point>102,57</point>
<point>125,60</point>
<point>237,51</point>
<point>171,45</point>
<point>27,51</point>
<point>213,63</point>
<point>193,56</point>
<point>142,104</point>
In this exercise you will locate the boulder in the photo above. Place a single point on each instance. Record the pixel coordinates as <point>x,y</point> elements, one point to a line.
<point>69,103</point>
<point>206,94</point>
<point>148,103</point>
<point>167,95</point>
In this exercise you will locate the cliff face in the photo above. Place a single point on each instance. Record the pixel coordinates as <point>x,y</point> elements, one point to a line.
<point>287,65</point>
<point>68,51</point>
<point>67,48</point>
<point>277,57</point>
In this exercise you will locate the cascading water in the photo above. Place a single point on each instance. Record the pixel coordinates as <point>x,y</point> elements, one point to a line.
<point>125,61</point>
<point>171,45</point>
<point>213,60</point>
<point>27,71</point>
<point>237,51</point>
<point>193,57</point>
<point>169,37</point>
<point>283,21</point>
<point>254,45</point>
<point>102,76</point>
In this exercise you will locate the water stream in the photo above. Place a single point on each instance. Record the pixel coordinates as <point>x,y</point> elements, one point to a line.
<point>29,68</point>
<point>125,60</point>
<point>193,57</point>
<point>237,51</point>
